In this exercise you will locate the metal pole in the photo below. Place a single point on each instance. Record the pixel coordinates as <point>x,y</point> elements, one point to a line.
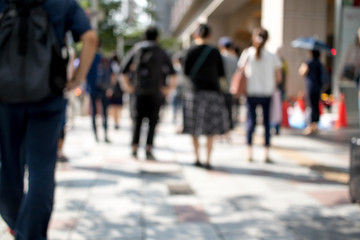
<point>337,43</point>
<point>94,14</point>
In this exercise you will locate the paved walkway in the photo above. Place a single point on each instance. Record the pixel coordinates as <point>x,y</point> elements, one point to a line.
<point>104,194</point>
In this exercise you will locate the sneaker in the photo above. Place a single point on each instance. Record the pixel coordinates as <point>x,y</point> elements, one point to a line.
<point>268,160</point>
<point>117,127</point>
<point>208,166</point>
<point>149,156</point>
<point>62,159</point>
<point>107,140</point>
<point>197,163</point>
<point>134,154</point>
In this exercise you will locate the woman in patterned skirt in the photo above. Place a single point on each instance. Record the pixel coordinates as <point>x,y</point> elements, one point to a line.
<point>205,111</point>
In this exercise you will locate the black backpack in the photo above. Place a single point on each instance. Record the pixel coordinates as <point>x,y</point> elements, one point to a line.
<point>147,80</point>
<point>31,65</point>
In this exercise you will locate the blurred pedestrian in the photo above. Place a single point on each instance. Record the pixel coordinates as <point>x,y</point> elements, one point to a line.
<point>278,96</point>
<point>116,96</point>
<point>263,71</point>
<point>205,113</point>
<point>312,71</point>
<point>230,60</point>
<point>145,69</point>
<point>29,132</point>
<point>98,85</point>
<point>350,64</point>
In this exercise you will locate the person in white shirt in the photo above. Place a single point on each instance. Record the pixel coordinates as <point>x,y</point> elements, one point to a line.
<point>263,71</point>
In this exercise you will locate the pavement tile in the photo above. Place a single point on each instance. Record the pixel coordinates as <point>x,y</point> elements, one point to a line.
<point>190,213</point>
<point>332,198</point>
<point>184,231</point>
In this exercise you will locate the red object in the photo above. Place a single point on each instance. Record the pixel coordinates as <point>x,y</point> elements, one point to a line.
<point>342,119</point>
<point>285,117</point>
<point>356,2</point>
<point>12,232</point>
<point>301,103</point>
<point>321,108</point>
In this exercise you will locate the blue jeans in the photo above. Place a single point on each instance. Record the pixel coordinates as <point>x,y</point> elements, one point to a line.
<point>29,134</point>
<point>252,103</point>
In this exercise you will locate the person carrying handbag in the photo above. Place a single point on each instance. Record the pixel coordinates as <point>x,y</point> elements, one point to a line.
<point>262,70</point>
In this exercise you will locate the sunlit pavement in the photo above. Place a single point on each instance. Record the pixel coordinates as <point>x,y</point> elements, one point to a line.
<point>104,194</point>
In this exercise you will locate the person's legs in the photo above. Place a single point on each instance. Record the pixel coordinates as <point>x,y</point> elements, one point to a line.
<point>196,150</point>
<point>93,114</point>
<point>251,123</point>
<point>265,104</point>
<point>12,132</point>
<point>153,116</point>
<point>43,129</point>
<point>209,148</point>
<point>138,116</point>
<point>315,113</point>
<point>104,103</point>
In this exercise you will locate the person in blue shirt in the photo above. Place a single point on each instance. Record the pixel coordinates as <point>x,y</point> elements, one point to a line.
<point>29,133</point>
<point>98,86</point>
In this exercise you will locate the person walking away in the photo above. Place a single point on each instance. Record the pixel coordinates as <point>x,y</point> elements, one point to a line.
<point>29,131</point>
<point>312,71</point>
<point>206,114</point>
<point>98,83</point>
<point>116,96</point>
<point>263,71</point>
<point>278,96</point>
<point>145,69</point>
<point>230,65</point>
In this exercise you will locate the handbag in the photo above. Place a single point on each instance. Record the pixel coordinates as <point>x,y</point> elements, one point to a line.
<point>238,83</point>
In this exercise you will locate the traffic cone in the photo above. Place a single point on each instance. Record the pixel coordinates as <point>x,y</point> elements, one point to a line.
<point>285,117</point>
<point>321,107</point>
<point>342,119</point>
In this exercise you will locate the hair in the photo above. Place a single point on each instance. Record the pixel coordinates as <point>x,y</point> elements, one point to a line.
<point>315,54</point>
<point>203,31</point>
<point>151,33</point>
<point>260,35</point>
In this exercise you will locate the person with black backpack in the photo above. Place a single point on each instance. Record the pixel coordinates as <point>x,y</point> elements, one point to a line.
<point>32,82</point>
<point>147,65</point>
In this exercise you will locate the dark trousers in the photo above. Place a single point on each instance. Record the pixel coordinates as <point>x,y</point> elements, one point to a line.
<point>314,99</point>
<point>229,101</point>
<point>252,103</point>
<point>146,106</point>
<point>101,95</point>
<point>29,134</point>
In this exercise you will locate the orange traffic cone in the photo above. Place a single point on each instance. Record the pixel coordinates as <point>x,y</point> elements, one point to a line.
<point>342,119</point>
<point>285,117</point>
<point>321,108</point>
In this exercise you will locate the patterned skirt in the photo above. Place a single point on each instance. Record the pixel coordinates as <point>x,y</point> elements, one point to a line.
<point>205,113</point>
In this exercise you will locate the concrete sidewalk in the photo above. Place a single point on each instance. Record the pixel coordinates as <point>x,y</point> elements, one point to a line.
<point>104,194</point>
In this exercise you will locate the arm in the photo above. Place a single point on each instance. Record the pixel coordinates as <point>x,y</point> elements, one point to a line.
<point>172,84</point>
<point>89,40</point>
<point>303,70</point>
<point>126,84</point>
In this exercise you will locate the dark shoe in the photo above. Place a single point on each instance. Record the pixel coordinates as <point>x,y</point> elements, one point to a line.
<point>117,127</point>
<point>208,166</point>
<point>134,154</point>
<point>107,140</point>
<point>268,160</point>
<point>197,163</point>
<point>62,159</point>
<point>149,156</point>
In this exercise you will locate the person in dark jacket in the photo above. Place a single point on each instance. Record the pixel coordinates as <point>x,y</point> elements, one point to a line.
<point>144,73</point>
<point>29,134</point>
<point>312,71</point>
